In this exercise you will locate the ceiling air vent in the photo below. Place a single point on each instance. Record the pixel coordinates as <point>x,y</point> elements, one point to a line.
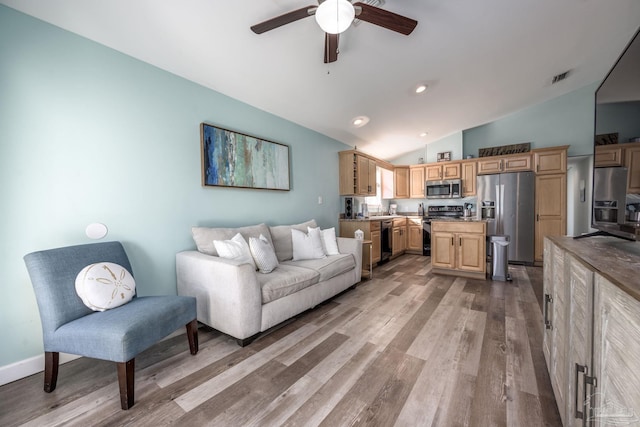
<point>559,77</point>
<point>375,3</point>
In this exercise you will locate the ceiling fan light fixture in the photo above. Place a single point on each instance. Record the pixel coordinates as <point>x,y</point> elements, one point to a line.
<point>335,16</point>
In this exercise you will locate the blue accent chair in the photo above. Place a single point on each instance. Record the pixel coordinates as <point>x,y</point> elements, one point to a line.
<point>118,334</point>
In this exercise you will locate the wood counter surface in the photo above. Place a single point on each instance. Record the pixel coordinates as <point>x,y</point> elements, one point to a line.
<point>616,259</point>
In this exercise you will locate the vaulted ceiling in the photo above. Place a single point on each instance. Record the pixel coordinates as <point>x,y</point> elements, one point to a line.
<point>481,60</point>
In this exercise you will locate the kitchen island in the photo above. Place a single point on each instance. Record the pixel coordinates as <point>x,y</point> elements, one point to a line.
<point>591,327</point>
<point>458,247</point>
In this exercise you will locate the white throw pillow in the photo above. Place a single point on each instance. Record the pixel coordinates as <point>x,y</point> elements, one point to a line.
<point>105,285</point>
<point>236,248</point>
<point>307,246</point>
<point>263,254</point>
<point>329,241</point>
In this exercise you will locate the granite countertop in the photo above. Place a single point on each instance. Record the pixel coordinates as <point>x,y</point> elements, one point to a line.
<point>462,219</point>
<point>616,259</point>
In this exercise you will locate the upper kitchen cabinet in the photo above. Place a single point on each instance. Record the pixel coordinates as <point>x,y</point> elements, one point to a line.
<point>401,182</point>
<point>357,174</point>
<point>440,171</point>
<point>608,155</point>
<point>469,172</point>
<point>632,162</point>
<point>508,163</point>
<point>550,160</point>
<point>416,182</point>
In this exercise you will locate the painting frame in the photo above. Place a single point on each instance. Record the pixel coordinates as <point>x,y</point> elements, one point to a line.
<point>238,160</point>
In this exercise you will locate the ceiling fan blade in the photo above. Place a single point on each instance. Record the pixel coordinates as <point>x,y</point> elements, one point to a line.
<point>331,47</point>
<point>384,18</point>
<point>281,20</point>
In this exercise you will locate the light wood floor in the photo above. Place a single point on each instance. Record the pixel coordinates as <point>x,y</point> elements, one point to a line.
<point>407,348</point>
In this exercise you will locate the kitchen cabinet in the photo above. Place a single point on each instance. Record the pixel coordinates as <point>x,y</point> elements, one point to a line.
<point>414,235</point>
<point>555,332</point>
<point>401,182</point>
<point>459,248</point>
<point>440,171</point>
<point>608,155</point>
<point>398,236</point>
<point>632,162</point>
<point>550,208</point>
<point>616,365</point>
<point>550,160</point>
<point>509,163</point>
<point>592,331</point>
<point>371,230</point>
<point>468,173</point>
<point>357,174</point>
<point>416,182</point>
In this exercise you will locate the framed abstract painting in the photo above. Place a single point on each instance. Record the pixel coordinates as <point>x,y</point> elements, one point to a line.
<point>232,159</point>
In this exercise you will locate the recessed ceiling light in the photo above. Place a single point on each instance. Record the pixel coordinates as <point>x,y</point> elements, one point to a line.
<point>360,121</point>
<point>423,134</point>
<point>421,88</point>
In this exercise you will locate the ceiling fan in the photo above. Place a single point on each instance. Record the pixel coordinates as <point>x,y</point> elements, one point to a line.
<point>335,16</point>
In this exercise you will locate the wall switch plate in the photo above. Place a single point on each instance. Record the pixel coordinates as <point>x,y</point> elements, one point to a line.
<point>319,200</point>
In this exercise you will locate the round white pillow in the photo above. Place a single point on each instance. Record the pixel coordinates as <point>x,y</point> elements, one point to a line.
<point>105,285</point>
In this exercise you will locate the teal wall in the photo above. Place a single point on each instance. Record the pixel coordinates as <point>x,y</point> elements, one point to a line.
<point>451,143</point>
<point>565,120</point>
<point>88,135</point>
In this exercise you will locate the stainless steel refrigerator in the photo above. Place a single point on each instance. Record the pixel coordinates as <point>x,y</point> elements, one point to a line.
<point>507,202</point>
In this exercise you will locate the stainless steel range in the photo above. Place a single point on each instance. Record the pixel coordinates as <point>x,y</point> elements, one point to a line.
<point>451,211</point>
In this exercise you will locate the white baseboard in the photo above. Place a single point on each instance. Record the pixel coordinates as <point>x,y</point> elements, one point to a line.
<point>27,367</point>
<point>34,365</point>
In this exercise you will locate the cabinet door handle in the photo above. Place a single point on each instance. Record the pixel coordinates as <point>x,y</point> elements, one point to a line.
<point>583,369</point>
<point>547,300</point>
<point>459,241</point>
<point>452,241</point>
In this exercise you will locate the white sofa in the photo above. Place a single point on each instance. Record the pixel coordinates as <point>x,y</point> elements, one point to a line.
<point>237,300</point>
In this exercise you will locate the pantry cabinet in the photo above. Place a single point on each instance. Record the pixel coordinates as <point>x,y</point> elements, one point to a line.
<point>550,160</point>
<point>551,209</point>
<point>459,248</point>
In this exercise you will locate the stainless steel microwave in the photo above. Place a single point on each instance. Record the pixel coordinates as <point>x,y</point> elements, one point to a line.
<point>447,189</point>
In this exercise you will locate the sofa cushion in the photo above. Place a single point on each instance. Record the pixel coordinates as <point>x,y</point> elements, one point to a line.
<point>281,238</point>
<point>263,254</point>
<point>329,242</point>
<point>237,248</point>
<point>204,236</point>
<point>285,280</point>
<point>307,246</point>
<point>328,267</point>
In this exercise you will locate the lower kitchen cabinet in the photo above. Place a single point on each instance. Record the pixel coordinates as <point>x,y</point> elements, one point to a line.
<point>414,235</point>
<point>371,230</point>
<point>399,236</point>
<point>616,356</point>
<point>459,248</point>
<point>591,342</point>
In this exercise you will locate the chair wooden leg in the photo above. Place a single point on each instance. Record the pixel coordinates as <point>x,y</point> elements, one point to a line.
<point>51,363</point>
<point>192,335</point>
<point>126,376</point>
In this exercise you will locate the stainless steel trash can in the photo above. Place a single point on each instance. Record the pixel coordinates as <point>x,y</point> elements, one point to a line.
<point>499,257</point>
